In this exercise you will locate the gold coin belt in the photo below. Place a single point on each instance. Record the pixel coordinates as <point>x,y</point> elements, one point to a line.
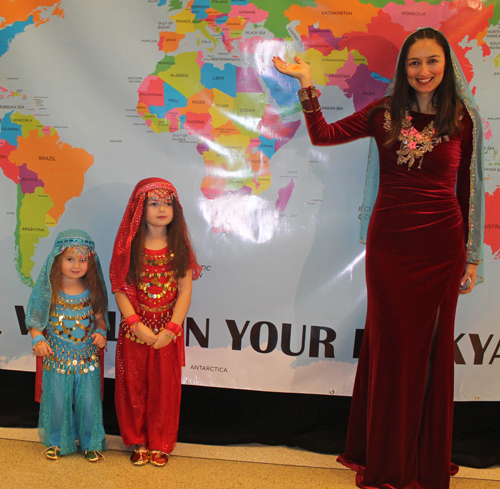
<point>156,325</point>
<point>72,361</point>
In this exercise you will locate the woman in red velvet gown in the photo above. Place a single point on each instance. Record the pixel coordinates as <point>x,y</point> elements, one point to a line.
<point>421,248</point>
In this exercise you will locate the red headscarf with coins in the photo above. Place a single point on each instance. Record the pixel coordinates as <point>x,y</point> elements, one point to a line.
<point>120,260</point>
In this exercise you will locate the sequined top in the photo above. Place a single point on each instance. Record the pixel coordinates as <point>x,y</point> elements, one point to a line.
<point>158,286</point>
<point>69,331</point>
<point>157,293</point>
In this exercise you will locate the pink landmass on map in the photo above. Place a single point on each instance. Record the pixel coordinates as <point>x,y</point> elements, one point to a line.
<point>151,91</point>
<point>292,129</point>
<point>199,59</point>
<point>422,14</point>
<point>492,222</point>
<point>271,126</point>
<point>316,42</point>
<point>247,81</point>
<point>254,143</point>
<point>195,123</point>
<point>28,180</point>
<point>348,68</point>
<point>10,170</point>
<point>284,196</point>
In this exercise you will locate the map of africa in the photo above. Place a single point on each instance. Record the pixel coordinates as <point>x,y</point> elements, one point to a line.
<point>239,112</point>
<point>96,95</point>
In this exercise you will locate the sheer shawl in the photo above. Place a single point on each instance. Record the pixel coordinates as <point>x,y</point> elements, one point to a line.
<point>37,312</point>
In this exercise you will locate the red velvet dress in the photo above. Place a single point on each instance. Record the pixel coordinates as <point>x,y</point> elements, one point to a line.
<point>148,381</point>
<point>400,426</point>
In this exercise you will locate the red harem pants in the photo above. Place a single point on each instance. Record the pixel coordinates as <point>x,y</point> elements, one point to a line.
<point>147,394</point>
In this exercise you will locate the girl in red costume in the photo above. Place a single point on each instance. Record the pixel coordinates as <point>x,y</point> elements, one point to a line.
<point>152,269</point>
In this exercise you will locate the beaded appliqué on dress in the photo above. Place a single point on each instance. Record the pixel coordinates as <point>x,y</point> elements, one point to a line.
<point>157,293</point>
<point>414,144</point>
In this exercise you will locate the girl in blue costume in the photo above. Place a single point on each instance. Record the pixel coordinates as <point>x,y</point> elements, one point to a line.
<point>66,316</point>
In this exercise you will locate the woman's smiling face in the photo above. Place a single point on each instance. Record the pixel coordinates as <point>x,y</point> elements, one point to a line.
<point>425,66</point>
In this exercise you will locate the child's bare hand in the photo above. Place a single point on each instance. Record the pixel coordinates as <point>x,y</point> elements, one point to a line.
<point>99,340</point>
<point>162,341</point>
<point>146,335</point>
<point>42,349</point>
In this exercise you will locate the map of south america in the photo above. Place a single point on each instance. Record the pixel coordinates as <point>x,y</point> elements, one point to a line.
<point>47,171</point>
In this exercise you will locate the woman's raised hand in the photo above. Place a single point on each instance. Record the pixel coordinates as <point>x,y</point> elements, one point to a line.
<point>299,70</point>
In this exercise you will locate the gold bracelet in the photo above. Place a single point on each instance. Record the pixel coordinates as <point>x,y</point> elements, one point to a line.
<point>308,97</point>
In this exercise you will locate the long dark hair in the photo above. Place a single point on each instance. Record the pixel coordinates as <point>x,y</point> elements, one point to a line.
<point>179,246</point>
<point>445,99</point>
<point>91,280</point>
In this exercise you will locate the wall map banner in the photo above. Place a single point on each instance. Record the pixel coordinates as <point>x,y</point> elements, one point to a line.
<point>96,95</point>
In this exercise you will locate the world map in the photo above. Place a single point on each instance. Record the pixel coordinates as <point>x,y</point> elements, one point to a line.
<point>96,95</point>
<point>235,105</point>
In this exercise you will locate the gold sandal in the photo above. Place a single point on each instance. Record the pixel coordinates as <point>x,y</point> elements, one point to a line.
<point>53,453</point>
<point>158,458</point>
<point>93,456</point>
<point>140,456</point>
